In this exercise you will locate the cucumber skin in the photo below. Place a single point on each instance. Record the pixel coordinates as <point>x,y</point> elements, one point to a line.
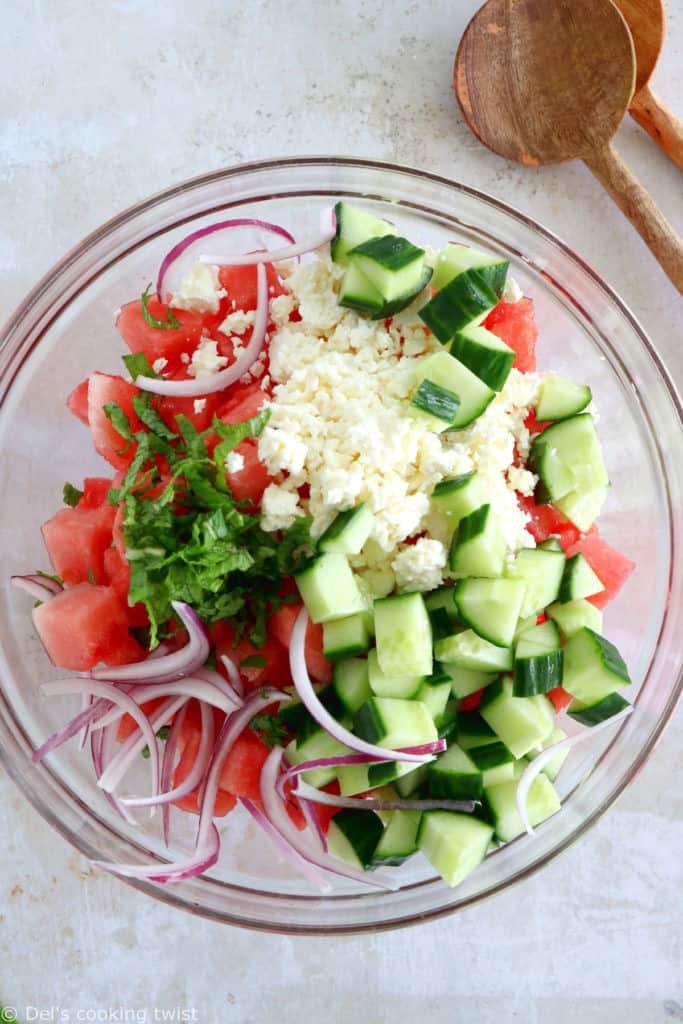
<point>593,714</point>
<point>537,674</point>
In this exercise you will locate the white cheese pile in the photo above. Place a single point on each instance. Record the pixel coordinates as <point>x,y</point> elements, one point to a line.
<point>340,423</point>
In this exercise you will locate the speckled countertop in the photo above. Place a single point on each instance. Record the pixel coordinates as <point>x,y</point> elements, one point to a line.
<point>104,103</point>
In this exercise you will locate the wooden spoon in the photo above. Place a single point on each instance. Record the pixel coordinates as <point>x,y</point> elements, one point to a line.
<point>542,81</point>
<point>647,21</point>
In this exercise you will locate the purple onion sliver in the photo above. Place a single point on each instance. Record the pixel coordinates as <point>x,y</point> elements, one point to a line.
<point>134,745</point>
<point>209,675</point>
<point>211,229</point>
<point>82,719</point>
<point>233,674</point>
<point>313,821</point>
<point>42,588</point>
<point>326,234</point>
<point>189,687</point>
<point>201,860</point>
<point>318,796</point>
<point>262,821</point>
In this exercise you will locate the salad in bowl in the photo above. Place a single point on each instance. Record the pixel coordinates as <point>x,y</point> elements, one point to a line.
<point>343,575</point>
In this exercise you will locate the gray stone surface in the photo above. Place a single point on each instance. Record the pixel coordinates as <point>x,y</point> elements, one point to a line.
<point>104,103</point>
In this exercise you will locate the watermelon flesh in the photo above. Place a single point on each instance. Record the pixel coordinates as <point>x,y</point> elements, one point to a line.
<point>609,565</point>
<point>515,324</point>
<point>82,626</point>
<point>76,540</point>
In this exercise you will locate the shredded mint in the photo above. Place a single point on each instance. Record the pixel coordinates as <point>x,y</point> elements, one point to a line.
<point>253,661</point>
<point>270,729</point>
<point>169,324</point>
<point>148,415</point>
<point>119,420</point>
<point>162,734</point>
<point>71,495</point>
<point>138,365</point>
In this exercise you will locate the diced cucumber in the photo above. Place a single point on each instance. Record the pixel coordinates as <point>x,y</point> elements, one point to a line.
<point>465,681</point>
<point>351,683</point>
<point>347,636</point>
<point>574,615</point>
<point>353,836</point>
<point>500,803</point>
<point>559,398</point>
<point>399,839</point>
<point>393,723</point>
<point>391,263</point>
<point>442,598</point>
<point>593,667</point>
<point>359,778</point>
<point>594,712</point>
<point>403,634</point>
<point>383,685</point>
<point>478,546</point>
<point>490,755</point>
<point>538,661</point>
<point>503,772</point>
<point>297,719</point>
<point>399,303</point>
<point>442,624</point>
<point>454,776</point>
<point>482,352</point>
<point>568,460</point>
<point>318,744</point>
<point>520,722</point>
<point>454,844</point>
<point>457,496</point>
<point>329,589</point>
<point>490,607</point>
<point>348,531</point>
<point>354,226</point>
<point>551,544</point>
<point>357,292</point>
<point>467,650</point>
<point>542,571</point>
<point>445,723</point>
<point>578,580</point>
<point>523,624</point>
<point>449,373</point>
<point>583,507</point>
<point>412,781</point>
<point>552,768</point>
<point>435,693</point>
<point>454,259</point>
<point>436,404</point>
<point>473,731</point>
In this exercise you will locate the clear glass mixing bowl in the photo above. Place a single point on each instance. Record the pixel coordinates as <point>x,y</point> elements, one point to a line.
<point>64,329</point>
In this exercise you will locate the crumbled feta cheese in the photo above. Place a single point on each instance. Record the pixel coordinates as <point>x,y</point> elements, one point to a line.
<point>281,451</point>
<point>238,322</point>
<point>522,480</point>
<point>257,369</point>
<point>200,290</point>
<point>420,566</point>
<point>159,364</point>
<point>265,383</point>
<point>279,508</point>
<point>511,292</point>
<point>205,359</point>
<point>234,462</point>
<point>281,308</point>
<point>199,405</point>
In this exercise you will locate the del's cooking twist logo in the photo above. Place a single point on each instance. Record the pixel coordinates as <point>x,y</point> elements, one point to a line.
<point>98,1015</point>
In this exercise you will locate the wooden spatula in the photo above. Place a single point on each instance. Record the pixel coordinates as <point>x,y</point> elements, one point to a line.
<point>543,81</point>
<point>646,20</point>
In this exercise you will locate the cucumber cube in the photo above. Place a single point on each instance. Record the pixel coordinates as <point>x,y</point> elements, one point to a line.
<point>345,637</point>
<point>593,712</point>
<point>559,398</point>
<point>579,580</point>
<point>478,547</point>
<point>454,776</point>
<point>500,803</point>
<point>593,667</point>
<point>541,570</point>
<point>391,263</point>
<point>458,496</point>
<point>359,778</point>
<point>318,744</point>
<point>483,352</point>
<point>574,615</point>
<point>329,589</point>
<point>454,844</point>
<point>354,226</point>
<point>383,685</point>
<point>351,683</point>
<point>454,259</point>
<point>522,723</point>
<point>449,373</point>
<point>490,607</point>
<point>399,839</point>
<point>393,723</point>
<point>348,531</point>
<point>434,695</point>
<point>467,650</point>
<point>552,768</point>
<point>465,681</point>
<point>403,634</point>
<point>353,836</point>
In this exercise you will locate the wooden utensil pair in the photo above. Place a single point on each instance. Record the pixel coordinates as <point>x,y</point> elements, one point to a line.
<point>542,81</point>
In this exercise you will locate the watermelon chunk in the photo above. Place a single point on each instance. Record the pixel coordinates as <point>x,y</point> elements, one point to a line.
<point>77,402</point>
<point>139,336</point>
<point>611,567</point>
<point>546,522</point>
<point>515,324</point>
<point>76,540</point>
<point>82,626</point>
<point>104,388</point>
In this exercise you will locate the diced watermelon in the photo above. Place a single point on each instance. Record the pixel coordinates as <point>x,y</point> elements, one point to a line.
<point>281,625</point>
<point>82,626</point>
<point>273,659</point>
<point>611,567</point>
<point>117,573</point>
<point>77,402</point>
<point>546,521</point>
<point>104,388</point>
<point>241,286</point>
<point>242,768</point>
<point>242,402</point>
<point>472,701</point>
<point>515,324</point>
<point>76,540</point>
<point>249,482</point>
<point>560,698</point>
<point>198,411</point>
<point>95,491</point>
<point>128,725</point>
<point>156,343</point>
<point>190,748</point>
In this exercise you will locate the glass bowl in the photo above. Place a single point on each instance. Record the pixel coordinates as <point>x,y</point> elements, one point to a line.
<point>65,329</point>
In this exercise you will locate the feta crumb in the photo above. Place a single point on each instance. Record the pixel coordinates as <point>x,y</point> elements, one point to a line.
<point>279,508</point>
<point>281,308</point>
<point>257,369</point>
<point>234,462</point>
<point>265,383</point>
<point>159,364</point>
<point>522,480</point>
<point>281,451</point>
<point>200,290</point>
<point>238,322</point>
<point>420,566</point>
<point>199,405</point>
<point>205,359</point>
<point>511,292</point>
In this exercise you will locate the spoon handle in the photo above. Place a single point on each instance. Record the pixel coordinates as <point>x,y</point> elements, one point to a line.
<point>637,204</point>
<point>661,123</point>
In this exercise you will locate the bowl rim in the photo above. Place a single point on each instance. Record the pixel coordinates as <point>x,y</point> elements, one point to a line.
<point>166,895</point>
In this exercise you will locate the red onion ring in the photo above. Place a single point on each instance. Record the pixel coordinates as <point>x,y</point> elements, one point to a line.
<point>81,720</point>
<point>102,746</point>
<point>168,667</point>
<point>133,746</point>
<point>168,765</point>
<point>42,588</point>
<point>233,674</point>
<point>189,687</point>
<point>536,766</point>
<point>202,859</point>
<point>179,248</point>
<point>224,378</point>
<point>319,796</point>
<point>217,680</point>
<point>276,813</point>
<point>328,227</point>
<point>304,687</point>
<point>347,759</point>
<point>313,822</point>
<point>289,852</point>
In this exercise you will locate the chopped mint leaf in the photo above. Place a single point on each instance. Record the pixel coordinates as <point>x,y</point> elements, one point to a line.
<point>71,495</point>
<point>169,324</point>
<point>253,661</point>
<point>270,729</point>
<point>162,734</point>
<point>91,577</point>
<point>148,415</point>
<point>138,365</point>
<point>118,420</point>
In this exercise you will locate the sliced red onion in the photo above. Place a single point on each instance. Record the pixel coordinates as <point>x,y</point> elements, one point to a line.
<point>190,687</point>
<point>226,687</point>
<point>107,749</point>
<point>170,666</point>
<point>288,851</point>
<point>118,697</point>
<point>203,858</point>
<point>86,701</point>
<point>168,766</point>
<point>232,729</point>
<point>82,719</point>
<point>304,687</point>
<point>42,588</point>
<point>313,822</point>
<point>327,231</point>
<point>276,813</point>
<point>341,760</point>
<point>172,259</point>
<point>128,751</point>
<point>536,766</point>
<point>319,796</point>
<point>224,378</point>
<point>233,674</point>
<point>196,774</point>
